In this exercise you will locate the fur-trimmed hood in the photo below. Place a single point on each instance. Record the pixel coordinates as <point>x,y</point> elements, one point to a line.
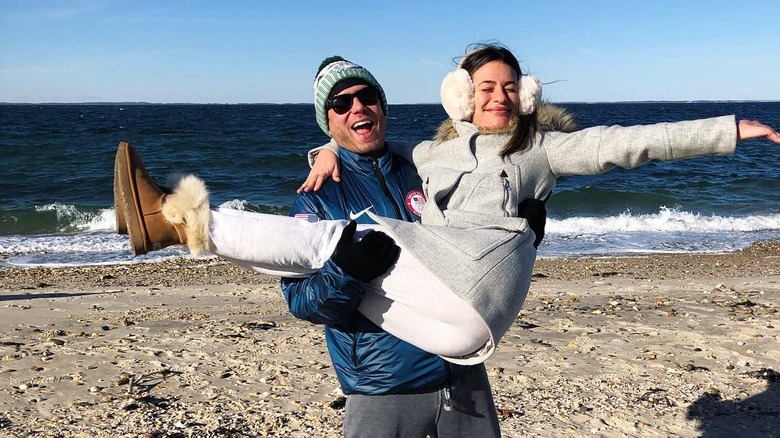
<point>551,118</point>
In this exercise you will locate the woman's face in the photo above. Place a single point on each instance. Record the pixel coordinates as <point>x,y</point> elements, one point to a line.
<point>495,95</point>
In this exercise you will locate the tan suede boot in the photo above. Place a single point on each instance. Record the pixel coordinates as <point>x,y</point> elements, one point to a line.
<point>184,221</point>
<point>119,209</point>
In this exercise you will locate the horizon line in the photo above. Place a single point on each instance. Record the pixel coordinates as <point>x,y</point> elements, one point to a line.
<point>419,103</point>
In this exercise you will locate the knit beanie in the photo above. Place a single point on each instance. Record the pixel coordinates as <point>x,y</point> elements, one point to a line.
<point>332,71</point>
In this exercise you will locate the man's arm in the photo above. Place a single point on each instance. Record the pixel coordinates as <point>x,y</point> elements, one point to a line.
<point>329,296</point>
<point>324,163</point>
<point>332,295</point>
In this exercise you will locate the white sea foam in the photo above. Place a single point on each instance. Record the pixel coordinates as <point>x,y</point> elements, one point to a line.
<point>665,221</point>
<point>105,221</point>
<point>235,204</point>
<point>93,248</point>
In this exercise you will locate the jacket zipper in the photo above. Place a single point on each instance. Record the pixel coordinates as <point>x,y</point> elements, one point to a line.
<point>507,191</point>
<point>383,183</point>
<point>353,335</point>
<point>354,351</point>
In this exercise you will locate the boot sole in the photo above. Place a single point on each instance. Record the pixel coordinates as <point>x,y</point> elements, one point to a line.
<point>130,202</point>
<point>119,209</point>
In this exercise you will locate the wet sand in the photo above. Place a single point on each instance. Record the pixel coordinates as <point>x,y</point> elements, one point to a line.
<point>672,345</point>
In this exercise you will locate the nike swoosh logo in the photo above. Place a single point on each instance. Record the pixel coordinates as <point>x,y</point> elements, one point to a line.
<point>354,216</point>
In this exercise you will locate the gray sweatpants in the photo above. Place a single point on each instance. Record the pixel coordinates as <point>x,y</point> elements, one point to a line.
<point>418,415</point>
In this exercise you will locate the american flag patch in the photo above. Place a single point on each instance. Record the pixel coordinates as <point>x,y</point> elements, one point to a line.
<point>308,217</point>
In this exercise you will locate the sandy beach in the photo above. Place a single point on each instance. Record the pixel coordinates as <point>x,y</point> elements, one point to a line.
<point>658,346</point>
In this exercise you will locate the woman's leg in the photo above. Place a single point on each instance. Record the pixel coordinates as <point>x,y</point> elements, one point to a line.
<point>408,301</point>
<point>155,217</point>
<point>276,245</point>
<point>413,304</point>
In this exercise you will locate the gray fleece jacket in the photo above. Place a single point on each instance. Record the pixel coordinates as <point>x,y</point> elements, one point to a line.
<point>469,187</point>
<point>462,172</point>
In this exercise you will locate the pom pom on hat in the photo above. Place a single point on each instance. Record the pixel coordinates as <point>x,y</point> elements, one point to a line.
<point>333,70</point>
<point>329,60</point>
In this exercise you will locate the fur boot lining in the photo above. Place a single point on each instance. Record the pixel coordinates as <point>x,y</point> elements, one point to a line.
<point>188,206</point>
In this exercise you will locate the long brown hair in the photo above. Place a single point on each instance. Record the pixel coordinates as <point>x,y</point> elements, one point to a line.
<point>527,124</point>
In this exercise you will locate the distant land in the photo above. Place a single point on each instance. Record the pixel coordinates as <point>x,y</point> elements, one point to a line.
<point>423,103</point>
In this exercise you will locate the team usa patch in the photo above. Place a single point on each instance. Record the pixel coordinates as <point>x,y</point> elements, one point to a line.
<point>308,217</point>
<point>415,200</point>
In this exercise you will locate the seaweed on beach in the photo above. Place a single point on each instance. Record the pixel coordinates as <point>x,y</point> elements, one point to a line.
<point>768,374</point>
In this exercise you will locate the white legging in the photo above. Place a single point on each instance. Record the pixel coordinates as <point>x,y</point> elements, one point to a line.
<point>408,301</point>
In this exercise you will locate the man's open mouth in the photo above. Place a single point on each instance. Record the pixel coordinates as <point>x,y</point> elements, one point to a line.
<point>363,126</point>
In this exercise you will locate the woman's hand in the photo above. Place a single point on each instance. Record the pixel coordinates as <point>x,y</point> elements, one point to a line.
<point>325,166</point>
<point>747,129</point>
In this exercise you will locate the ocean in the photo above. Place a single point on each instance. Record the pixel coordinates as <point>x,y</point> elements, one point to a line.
<point>56,199</point>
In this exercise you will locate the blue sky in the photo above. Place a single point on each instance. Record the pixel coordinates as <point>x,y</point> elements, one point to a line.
<point>268,51</point>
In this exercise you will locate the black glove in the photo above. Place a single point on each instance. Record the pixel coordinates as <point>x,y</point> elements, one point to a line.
<point>367,258</point>
<point>535,212</point>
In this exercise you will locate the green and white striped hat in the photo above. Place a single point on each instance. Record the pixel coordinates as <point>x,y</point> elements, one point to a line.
<point>332,71</point>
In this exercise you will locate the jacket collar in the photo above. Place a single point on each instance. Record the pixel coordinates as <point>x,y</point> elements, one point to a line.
<point>362,164</point>
<point>451,129</point>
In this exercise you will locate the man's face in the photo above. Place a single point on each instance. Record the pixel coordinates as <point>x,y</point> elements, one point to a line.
<point>361,129</point>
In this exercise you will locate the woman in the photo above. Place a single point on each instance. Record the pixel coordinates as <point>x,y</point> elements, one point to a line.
<point>474,251</point>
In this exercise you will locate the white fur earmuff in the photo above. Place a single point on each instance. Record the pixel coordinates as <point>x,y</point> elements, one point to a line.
<point>457,95</point>
<point>530,94</point>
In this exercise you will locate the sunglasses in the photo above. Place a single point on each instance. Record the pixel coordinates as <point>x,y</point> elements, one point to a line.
<point>343,102</point>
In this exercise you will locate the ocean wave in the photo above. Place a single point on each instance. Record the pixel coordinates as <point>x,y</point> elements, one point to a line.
<point>665,221</point>
<point>55,218</point>
<point>61,218</point>
<point>667,231</point>
<point>73,218</point>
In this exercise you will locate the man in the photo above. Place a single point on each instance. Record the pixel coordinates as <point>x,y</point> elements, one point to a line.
<point>393,388</point>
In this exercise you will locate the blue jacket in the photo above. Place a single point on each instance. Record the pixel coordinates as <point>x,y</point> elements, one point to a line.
<point>367,359</point>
